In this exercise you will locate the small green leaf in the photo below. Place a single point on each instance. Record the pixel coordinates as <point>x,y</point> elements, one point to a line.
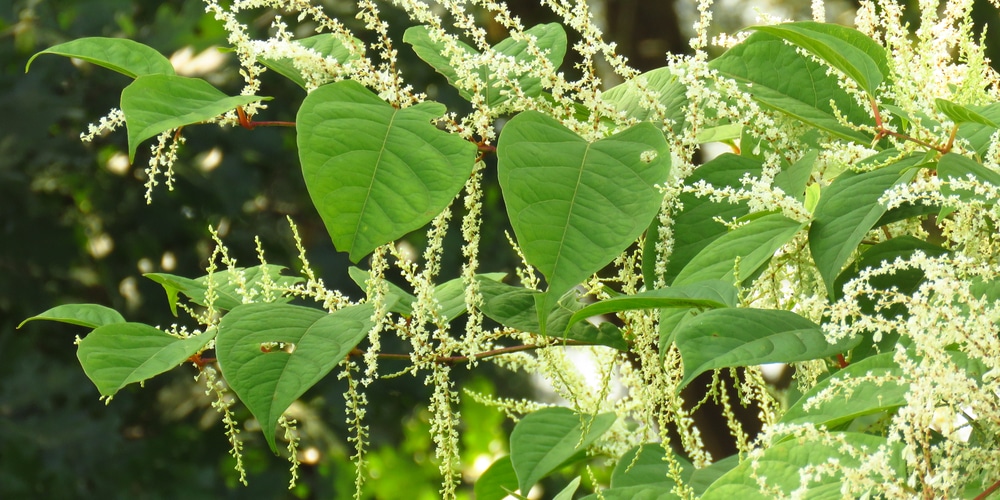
<point>154,104</point>
<point>514,307</point>
<point>872,385</point>
<point>451,295</point>
<point>549,37</point>
<point>848,50</point>
<point>569,490</point>
<point>753,244</point>
<point>375,172</point>
<point>227,285</point>
<point>847,210</point>
<point>781,465</point>
<point>498,481</point>
<point>722,338</point>
<point>127,57</point>
<point>117,354</point>
<point>560,191</point>
<point>269,380</point>
<point>979,135</point>
<point>546,439</point>
<point>401,300</point>
<point>962,114</point>
<point>704,294</point>
<point>88,315</point>
<point>325,45</point>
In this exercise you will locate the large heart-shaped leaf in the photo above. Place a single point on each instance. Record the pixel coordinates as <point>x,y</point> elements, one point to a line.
<point>545,439</point>
<point>269,378</point>
<point>118,354</point>
<point>375,172</point>
<point>722,338</point>
<point>153,104</point>
<point>125,56</point>
<point>561,192</point>
<point>88,315</point>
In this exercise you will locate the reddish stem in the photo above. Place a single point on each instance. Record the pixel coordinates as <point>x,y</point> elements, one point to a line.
<point>993,487</point>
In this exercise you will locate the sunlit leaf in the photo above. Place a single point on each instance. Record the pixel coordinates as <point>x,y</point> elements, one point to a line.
<point>375,172</point>
<point>226,283</point>
<point>497,482</point>
<point>127,57</point>
<point>153,104</point>
<point>88,315</point>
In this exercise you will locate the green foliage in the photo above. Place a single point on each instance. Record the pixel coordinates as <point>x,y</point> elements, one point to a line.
<point>810,246</point>
<point>399,174</point>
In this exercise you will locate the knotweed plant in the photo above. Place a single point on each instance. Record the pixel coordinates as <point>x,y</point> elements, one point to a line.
<point>851,233</point>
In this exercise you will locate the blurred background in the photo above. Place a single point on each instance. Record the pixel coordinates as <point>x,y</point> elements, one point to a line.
<point>75,228</point>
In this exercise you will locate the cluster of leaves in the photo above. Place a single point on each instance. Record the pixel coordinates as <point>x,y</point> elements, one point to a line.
<point>710,270</point>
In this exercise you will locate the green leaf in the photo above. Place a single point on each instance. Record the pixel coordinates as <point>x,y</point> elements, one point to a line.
<point>670,93</point>
<point>375,172</point>
<point>569,490</point>
<point>781,464</point>
<point>701,479</point>
<point>153,104</point>
<point>560,192</point>
<point>955,166</point>
<point>848,50</point>
<point>498,481</point>
<point>546,439</point>
<point>780,78</point>
<point>753,244</point>
<point>962,114</point>
<point>704,294</point>
<point>979,135</point>
<point>905,281</point>
<point>549,37</point>
<point>722,338</point>
<point>227,285</point>
<point>650,468</point>
<point>847,210</point>
<point>793,180</point>
<point>326,45</point>
<point>117,354</point>
<point>127,57</point>
<point>695,227</point>
<point>514,307</point>
<point>872,385</point>
<point>401,300</point>
<point>267,380</point>
<point>451,295</point>
<point>88,315</point>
